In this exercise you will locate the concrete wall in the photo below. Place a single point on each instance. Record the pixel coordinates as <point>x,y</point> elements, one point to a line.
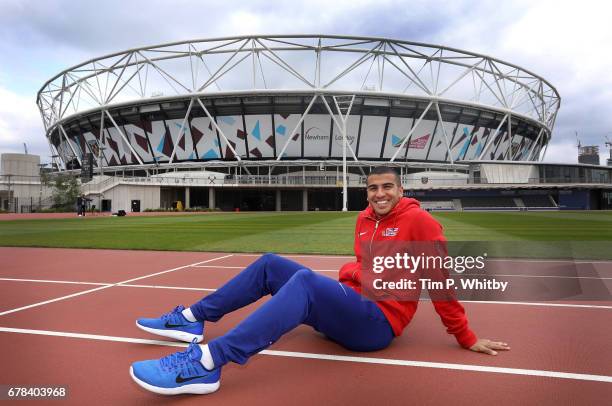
<point>25,192</point>
<point>22,194</point>
<point>19,164</point>
<point>507,173</point>
<point>435,178</point>
<point>122,196</point>
<point>23,183</point>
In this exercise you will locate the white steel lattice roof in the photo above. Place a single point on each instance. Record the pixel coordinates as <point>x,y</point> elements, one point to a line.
<point>318,63</point>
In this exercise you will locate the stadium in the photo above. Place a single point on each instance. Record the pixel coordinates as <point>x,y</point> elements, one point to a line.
<point>294,123</point>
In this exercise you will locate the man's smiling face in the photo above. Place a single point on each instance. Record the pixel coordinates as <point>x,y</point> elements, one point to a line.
<point>384,192</point>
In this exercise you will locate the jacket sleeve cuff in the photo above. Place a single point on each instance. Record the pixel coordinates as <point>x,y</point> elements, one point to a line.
<point>466,338</point>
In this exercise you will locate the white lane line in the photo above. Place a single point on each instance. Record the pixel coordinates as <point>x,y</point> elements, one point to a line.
<point>454,274</point>
<point>584,306</point>
<point>174,269</point>
<point>512,260</point>
<point>166,287</point>
<point>443,365</point>
<point>315,270</point>
<point>129,285</point>
<point>54,281</point>
<point>340,358</point>
<point>109,286</point>
<point>92,337</point>
<point>530,276</point>
<point>219,266</point>
<point>565,261</point>
<point>299,256</point>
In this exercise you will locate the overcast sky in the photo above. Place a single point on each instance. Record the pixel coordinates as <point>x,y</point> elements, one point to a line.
<point>567,43</point>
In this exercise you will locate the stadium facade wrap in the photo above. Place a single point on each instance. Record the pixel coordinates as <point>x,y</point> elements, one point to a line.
<point>284,98</point>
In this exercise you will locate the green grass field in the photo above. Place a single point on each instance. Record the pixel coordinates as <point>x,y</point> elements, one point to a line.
<point>522,234</point>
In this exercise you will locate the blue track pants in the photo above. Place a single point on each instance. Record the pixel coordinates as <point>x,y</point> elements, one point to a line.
<point>299,296</point>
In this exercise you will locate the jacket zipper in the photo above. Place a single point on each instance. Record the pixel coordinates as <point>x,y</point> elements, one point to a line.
<point>373,234</point>
<point>371,238</point>
<point>370,247</point>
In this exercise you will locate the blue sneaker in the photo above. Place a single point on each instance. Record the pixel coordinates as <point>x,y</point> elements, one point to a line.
<point>177,373</point>
<point>174,325</point>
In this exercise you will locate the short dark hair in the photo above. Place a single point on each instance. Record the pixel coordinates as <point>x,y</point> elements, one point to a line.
<point>383,170</point>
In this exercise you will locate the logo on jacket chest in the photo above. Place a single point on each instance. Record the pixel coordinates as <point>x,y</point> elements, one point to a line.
<point>390,231</point>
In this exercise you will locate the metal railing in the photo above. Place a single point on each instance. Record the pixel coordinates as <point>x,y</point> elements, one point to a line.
<point>245,180</point>
<point>581,180</point>
<point>34,205</point>
<point>306,181</point>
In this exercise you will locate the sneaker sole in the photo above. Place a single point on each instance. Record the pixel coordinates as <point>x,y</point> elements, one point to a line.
<point>194,388</point>
<point>177,335</point>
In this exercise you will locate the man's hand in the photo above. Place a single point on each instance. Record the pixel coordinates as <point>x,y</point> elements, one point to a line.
<point>489,347</point>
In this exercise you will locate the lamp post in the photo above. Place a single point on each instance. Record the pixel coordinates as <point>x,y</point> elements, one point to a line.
<point>40,181</point>
<point>10,199</point>
<point>99,149</point>
<point>608,144</point>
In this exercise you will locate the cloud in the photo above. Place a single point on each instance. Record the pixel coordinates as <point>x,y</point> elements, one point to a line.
<point>604,156</point>
<point>568,36</point>
<point>20,122</point>
<point>562,152</point>
<point>567,152</point>
<point>564,42</point>
<point>567,44</point>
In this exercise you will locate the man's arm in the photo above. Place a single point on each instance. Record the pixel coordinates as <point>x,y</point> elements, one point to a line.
<point>451,312</point>
<point>488,347</point>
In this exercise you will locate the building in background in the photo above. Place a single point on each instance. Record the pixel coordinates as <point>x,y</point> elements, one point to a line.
<point>588,154</point>
<point>21,189</point>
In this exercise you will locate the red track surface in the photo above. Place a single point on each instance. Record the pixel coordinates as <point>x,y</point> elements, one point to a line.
<point>543,338</point>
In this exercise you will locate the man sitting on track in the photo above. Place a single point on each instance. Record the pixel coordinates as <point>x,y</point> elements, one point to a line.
<point>300,296</point>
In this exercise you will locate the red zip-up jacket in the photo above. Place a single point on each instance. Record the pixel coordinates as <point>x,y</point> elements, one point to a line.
<point>410,223</point>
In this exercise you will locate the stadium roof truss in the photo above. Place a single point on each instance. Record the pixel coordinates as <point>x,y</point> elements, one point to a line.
<point>316,65</point>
